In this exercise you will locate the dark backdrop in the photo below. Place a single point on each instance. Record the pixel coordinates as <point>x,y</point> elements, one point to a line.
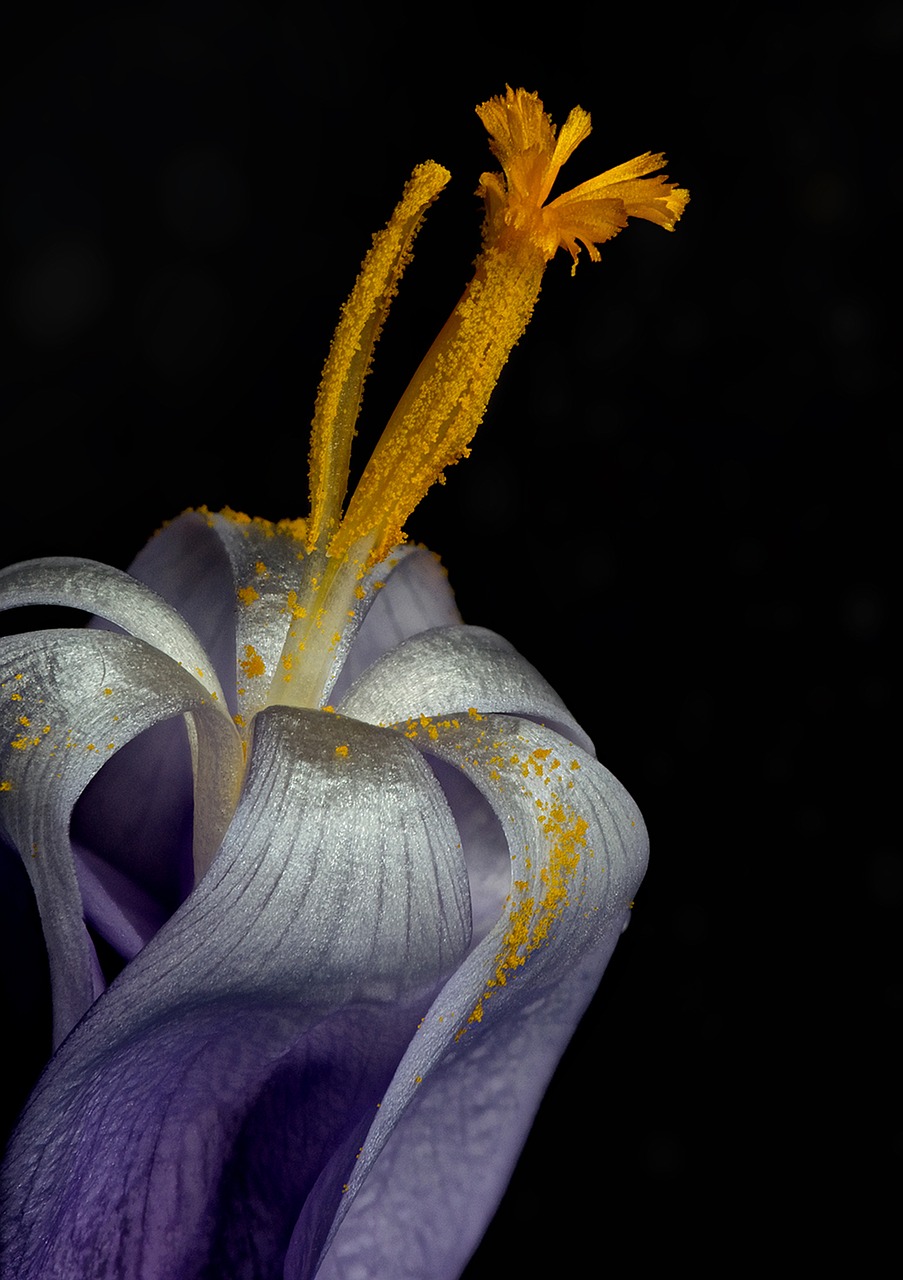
<point>680,506</point>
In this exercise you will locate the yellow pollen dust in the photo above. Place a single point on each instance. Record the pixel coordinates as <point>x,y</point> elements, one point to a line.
<point>294,608</point>
<point>439,413</point>
<point>538,902</point>
<point>252,664</point>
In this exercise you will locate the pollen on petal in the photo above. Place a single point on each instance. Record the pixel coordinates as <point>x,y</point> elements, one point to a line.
<point>252,664</point>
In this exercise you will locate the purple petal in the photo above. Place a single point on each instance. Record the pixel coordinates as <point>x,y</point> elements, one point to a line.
<point>121,911</point>
<point>416,597</point>
<point>439,1155</point>
<point>223,1085</point>
<point>136,818</point>
<point>187,565</point>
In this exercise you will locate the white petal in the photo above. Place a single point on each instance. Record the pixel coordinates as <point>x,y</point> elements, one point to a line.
<point>68,701</point>
<point>451,669</point>
<point>235,580</point>
<point>113,595</point>
<point>450,1128</point>
<point>344,853</point>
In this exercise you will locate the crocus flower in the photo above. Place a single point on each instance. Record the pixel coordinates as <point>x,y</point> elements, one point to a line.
<point>358,861</point>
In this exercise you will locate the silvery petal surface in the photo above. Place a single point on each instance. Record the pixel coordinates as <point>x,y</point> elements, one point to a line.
<point>114,596</point>
<point>148,840</point>
<point>450,1128</point>
<point>455,668</point>
<point>68,701</point>
<point>224,1083</point>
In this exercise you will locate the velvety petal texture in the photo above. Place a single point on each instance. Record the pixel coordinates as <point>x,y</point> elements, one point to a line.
<point>454,1119</point>
<point>326,1059</point>
<point>456,667</point>
<point>241,1056</point>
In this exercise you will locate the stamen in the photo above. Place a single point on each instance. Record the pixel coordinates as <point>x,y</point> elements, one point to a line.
<point>351,352</point>
<point>438,415</point>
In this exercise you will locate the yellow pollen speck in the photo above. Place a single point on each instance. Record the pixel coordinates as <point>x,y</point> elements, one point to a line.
<point>107,692</point>
<point>342,750</point>
<point>252,664</point>
<point>294,608</point>
<point>247,595</point>
<point>6,785</point>
<point>537,899</point>
<point>24,720</point>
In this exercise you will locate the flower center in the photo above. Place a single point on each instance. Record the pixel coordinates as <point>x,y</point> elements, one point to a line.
<point>439,413</point>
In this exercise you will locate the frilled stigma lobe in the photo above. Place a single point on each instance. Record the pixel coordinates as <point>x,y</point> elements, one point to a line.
<point>439,413</point>
<point>524,142</point>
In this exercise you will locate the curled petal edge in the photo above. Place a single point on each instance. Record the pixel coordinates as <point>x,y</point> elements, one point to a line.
<point>465,1094</point>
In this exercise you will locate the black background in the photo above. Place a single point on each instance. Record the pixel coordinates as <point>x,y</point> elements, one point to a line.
<point>680,506</point>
